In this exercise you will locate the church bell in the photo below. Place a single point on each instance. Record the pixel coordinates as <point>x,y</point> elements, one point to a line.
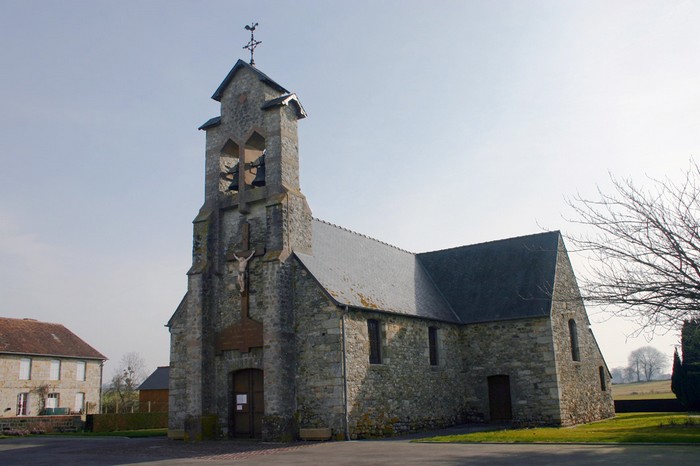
<point>234,184</point>
<point>260,173</point>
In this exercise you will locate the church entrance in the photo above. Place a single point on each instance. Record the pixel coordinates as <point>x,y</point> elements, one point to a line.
<point>499,398</point>
<point>248,403</point>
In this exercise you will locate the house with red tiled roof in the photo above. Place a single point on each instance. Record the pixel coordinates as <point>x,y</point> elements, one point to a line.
<point>47,369</point>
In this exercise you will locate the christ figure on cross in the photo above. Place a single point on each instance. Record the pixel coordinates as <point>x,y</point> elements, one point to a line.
<point>242,265</point>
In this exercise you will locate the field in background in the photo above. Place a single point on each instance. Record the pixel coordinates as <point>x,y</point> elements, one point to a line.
<point>655,390</point>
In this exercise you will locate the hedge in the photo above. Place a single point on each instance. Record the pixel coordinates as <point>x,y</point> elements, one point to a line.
<point>126,421</point>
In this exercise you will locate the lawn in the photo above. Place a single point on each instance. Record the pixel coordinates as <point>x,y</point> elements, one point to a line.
<point>624,428</point>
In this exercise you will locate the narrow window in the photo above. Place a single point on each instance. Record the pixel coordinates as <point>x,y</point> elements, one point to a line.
<point>601,373</point>
<point>574,340</point>
<point>22,402</point>
<point>25,369</point>
<point>375,351</point>
<point>433,345</point>
<point>79,402</point>
<point>52,401</point>
<point>55,373</point>
<point>80,371</point>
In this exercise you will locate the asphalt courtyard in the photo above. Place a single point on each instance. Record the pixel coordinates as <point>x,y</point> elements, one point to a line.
<point>47,450</point>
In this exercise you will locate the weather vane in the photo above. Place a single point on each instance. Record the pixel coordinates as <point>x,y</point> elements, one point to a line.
<point>253,43</point>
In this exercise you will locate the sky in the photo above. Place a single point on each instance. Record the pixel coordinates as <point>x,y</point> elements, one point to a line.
<point>432,124</point>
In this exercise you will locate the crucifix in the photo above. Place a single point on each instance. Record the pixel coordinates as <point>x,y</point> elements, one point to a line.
<point>246,333</point>
<point>243,256</point>
<point>252,43</point>
<point>242,265</point>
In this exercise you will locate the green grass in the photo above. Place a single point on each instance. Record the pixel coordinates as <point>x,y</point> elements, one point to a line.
<point>625,428</point>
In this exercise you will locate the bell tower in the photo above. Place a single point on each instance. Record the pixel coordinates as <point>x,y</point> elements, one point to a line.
<point>236,323</point>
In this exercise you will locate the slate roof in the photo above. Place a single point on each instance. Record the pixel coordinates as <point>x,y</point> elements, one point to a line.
<point>159,380</point>
<point>499,280</point>
<point>363,273</point>
<point>31,337</point>
<point>286,100</point>
<point>240,64</point>
<point>211,122</point>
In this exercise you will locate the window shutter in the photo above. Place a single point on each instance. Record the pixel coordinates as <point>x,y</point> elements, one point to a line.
<point>25,368</point>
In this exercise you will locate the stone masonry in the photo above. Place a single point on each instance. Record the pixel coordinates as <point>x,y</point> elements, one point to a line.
<point>40,384</point>
<point>276,219</point>
<point>311,350</point>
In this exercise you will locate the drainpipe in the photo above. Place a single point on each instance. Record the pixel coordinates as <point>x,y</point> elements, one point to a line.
<point>99,395</point>
<point>345,377</point>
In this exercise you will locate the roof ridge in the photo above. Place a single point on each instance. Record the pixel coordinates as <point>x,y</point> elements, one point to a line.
<point>491,241</point>
<point>31,319</point>
<point>242,64</point>
<point>363,235</point>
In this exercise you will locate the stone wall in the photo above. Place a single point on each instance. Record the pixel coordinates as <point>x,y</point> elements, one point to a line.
<point>404,393</point>
<point>584,398</point>
<point>319,376</point>
<point>177,398</point>
<point>522,350</point>
<point>280,221</point>
<point>25,425</point>
<point>66,387</point>
<point>240,116</point>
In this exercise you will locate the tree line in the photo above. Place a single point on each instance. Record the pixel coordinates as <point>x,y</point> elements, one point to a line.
<point>643,365</point>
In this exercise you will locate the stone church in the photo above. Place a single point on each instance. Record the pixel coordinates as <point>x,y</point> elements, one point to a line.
<point>290,323</point>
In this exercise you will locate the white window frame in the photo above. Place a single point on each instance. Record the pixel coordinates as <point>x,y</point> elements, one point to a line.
<point>79,402</point>
<point>55,372</point>
<point>25,369</point>
<point>80,371</point>
<point>52,400</point>
<point>22,404</point>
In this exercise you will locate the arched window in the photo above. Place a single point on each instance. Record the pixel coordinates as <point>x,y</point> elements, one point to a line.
<point>228,166</point>
<point>573,336</point>
<point>254,158</point>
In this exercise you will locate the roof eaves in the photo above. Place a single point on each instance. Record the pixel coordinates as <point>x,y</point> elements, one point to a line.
<point>507,319</point>
<point>211,123</point>
<point>284,101</point>
<point>400,314</point>
<point>101,356</point>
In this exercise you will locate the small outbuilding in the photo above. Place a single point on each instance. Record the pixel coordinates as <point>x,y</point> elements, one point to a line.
<point>153,392</point>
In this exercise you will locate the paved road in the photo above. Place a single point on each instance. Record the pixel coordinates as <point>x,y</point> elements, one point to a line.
<point>107,451</point>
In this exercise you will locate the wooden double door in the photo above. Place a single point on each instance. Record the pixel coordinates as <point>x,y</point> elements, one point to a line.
<point>247,403</point>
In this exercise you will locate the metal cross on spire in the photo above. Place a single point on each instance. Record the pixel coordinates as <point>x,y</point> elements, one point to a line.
<point>252,43</point>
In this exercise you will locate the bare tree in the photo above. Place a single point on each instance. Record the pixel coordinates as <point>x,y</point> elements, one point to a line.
<point>646,362</point>
<point>618,374</point>
<point>122,394</point>
<point>645,250</point>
